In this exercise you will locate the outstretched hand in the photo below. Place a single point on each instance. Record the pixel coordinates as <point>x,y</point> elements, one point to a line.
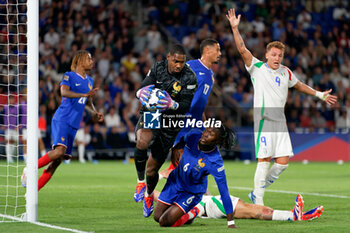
<point>231,17</point>
<point>99,117</point>
<point>330,99</point>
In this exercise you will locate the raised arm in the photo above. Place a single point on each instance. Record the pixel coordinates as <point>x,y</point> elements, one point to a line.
<point>325,96</point>
<point>234,22</point>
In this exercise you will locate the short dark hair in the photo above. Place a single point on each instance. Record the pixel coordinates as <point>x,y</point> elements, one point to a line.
<point>207,42</point>
<point>177,48</point>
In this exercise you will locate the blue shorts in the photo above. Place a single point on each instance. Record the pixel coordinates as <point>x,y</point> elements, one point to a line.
<point>184,200</point>
<point>63,134</point>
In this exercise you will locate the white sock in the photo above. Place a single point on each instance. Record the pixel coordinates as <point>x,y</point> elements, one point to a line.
<point>274,172</point>
<point>81,152</point>
<point>90,155</point>
<point>7,148</point>
<point>260,181</point>
<point>140,181</point>
<point>282,215</point>
<point>9,153</point>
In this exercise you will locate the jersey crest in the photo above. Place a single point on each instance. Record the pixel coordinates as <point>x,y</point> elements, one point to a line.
<point>176,89</point>
<point>200,163</point>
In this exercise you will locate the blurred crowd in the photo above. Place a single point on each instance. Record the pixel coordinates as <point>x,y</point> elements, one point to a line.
<point>317,36</point>
<point>126,37</point>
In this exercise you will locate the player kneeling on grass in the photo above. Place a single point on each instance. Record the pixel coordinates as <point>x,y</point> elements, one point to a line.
<point>188,182</point>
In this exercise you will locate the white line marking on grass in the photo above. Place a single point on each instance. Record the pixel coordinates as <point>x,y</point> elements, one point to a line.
<point>293,192</point>
<point>59,228</point>
<point>44,224</point>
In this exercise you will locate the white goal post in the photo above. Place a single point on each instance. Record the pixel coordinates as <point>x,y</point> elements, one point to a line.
<point>32,109</point>
<point>19,79</point>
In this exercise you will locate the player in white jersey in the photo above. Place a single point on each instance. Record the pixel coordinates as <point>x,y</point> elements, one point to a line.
<point>212,207</point>
<point>271,81</point>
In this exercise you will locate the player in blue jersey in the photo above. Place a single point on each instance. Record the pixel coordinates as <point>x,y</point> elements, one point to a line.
<point>210,54</point>
<point>188,182</point>
<point>77,91</point>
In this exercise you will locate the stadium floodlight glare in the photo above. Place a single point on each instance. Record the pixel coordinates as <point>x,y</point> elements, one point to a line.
<point>19,54</point>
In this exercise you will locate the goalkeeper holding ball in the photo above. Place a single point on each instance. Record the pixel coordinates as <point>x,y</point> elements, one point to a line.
<point>179,84</point>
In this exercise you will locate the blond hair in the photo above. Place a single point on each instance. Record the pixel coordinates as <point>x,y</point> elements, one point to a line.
<point>275,44</point>
<point>78,58</point>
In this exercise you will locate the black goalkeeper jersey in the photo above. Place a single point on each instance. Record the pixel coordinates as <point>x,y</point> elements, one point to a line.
<point>181,87</point>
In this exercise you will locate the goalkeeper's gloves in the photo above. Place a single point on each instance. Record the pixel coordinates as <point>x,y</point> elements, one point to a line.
<point>166,102</point>
<point>321,95</point>
<point>144,93</point>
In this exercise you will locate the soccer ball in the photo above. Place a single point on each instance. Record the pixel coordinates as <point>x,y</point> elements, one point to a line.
<point>152,102</point>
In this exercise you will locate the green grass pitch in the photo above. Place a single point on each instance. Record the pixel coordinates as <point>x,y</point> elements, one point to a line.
<point>99,198</point>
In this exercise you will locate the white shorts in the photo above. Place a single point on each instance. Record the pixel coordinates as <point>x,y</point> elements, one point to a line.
<point>11,134</point>
<point>272,139</point>
<point>214,207</point>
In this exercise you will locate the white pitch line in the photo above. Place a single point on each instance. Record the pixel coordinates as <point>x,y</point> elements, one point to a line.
<point>44,224</point>
<point>293,192</point>
<point>59,228</point>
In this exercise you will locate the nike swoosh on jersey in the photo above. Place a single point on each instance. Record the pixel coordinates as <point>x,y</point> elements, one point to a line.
<point>201,73</point>
<point>158,82</point>
<point>77,84</point>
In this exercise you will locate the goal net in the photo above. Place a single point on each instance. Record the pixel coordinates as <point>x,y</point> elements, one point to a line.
<point>13,107</point>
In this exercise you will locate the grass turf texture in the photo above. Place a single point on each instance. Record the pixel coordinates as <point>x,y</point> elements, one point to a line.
<point>99,198</point>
